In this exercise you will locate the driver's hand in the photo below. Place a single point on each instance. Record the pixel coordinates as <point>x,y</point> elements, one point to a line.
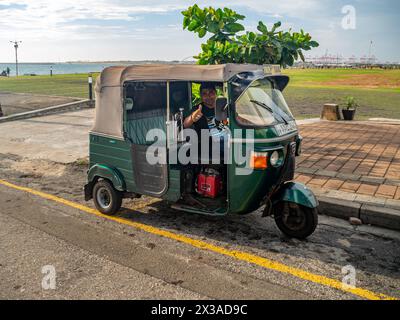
<point>196,115</point>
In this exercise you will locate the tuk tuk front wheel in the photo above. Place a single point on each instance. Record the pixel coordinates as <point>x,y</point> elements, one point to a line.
<point>106,199</point>
<point>294,220</point>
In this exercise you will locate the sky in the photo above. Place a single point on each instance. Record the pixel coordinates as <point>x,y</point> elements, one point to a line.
<point>114,30</point>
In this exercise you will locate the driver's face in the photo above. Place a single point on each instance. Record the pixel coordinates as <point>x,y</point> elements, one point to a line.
<point>209,97</point>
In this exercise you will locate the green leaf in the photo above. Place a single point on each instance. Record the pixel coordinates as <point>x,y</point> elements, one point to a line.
<point>290,45</point>
<point>186,21</point>
<point>197,10</point>
<point>301,56</point>
<point>193,25</point>
<point>202,32</point>
<point>262,27</point>
<point>234,27</point>
<point>213,27</point>
<point>276,26</point>
<point>252,36</point>
<point>219,14</point>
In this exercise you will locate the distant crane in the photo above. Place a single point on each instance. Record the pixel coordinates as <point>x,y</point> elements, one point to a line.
<point>16,45</point>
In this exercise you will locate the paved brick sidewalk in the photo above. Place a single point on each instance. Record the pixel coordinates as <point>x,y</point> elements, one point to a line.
<point>361,158</point>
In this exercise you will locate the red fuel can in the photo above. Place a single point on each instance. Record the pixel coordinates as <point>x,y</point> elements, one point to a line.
<point>209,185</point>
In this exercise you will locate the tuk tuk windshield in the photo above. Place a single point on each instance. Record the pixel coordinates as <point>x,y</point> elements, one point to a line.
<point>262,105</point>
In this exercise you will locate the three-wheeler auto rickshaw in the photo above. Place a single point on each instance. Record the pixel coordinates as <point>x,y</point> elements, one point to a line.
<point>251,111</point>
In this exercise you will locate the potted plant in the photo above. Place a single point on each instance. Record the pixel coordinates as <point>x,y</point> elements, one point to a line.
<point>349,109</point>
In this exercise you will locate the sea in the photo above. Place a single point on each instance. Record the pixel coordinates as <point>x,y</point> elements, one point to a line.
<point>62,68</point>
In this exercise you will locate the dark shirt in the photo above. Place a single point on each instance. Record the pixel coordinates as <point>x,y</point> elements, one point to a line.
<point>207,121</point>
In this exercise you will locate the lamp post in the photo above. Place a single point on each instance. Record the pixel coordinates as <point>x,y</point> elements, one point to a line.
<point>369,54</point>
<point>16,45</point>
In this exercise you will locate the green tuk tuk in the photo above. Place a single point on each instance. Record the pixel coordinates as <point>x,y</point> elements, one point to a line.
<point>261,141</point>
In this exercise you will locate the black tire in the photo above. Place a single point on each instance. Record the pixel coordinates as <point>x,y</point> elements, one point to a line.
<point>294,220</point>
<point>106,199</point>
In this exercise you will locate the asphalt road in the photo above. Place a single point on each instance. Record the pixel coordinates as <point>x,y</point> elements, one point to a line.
<point>94,257</point>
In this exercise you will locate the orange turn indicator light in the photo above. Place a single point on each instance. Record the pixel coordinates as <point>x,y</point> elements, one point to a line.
<point>259,160</point>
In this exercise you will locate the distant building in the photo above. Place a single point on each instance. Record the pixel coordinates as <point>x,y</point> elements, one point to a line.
<point>338,61</point>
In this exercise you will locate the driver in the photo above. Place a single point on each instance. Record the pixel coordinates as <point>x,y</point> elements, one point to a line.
<point>203,118</point>
<point>203,115</point>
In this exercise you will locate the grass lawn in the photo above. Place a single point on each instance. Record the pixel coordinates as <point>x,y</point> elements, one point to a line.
<point>340,78</point>
<point>70,85</point>
<point>307,102</point>
<point>376,91</point>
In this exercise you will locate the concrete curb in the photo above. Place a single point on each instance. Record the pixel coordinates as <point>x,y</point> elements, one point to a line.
<point>385,121</point>
<point>373,211</point>
<point>49,110</point>
<point>308,121</point>
<point>383,217</point>
<point>343,209</point>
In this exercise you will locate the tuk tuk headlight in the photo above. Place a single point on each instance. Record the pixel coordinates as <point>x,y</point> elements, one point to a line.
<point>275,159</point>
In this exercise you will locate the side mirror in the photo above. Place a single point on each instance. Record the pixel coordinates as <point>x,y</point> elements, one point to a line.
<point>221,109</point>
<point>128,104</point>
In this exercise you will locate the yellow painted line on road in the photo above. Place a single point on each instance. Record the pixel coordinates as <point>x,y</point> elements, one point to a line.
<point>239,255</point>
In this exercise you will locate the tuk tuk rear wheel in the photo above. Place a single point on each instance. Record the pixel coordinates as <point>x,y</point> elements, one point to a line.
<point>106,199</point>
<point>294,220</point>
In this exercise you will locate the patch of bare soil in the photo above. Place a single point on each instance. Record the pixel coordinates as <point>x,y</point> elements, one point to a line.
<point>371,81</point>
<point>39,168</point>
<point>56,178</point>
<point>64,180</point>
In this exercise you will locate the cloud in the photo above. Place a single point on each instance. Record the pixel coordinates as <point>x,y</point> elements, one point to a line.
<point>287,8</point>
<point>51,19</point>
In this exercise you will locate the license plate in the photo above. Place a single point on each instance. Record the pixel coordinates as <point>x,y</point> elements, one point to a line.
<point>283,129</point>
